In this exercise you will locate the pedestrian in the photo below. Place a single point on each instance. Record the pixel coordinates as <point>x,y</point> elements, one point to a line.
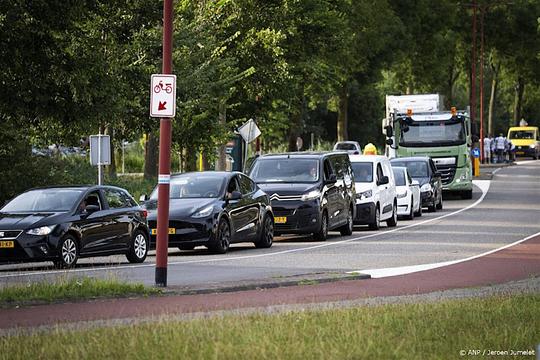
<point>500,146</point>
<point>511,151</point>
<point>487,150</point>
<point>492,149</point>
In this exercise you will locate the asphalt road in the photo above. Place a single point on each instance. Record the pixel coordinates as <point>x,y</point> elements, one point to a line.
<point>502,211</point>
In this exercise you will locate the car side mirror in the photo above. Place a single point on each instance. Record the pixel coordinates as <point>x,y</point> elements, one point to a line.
<point>88,210</point>
<point>143,198</point>
<point>235,195</point>
<point>384,180</point>
<point>331,180</point>
<point>389,131</point>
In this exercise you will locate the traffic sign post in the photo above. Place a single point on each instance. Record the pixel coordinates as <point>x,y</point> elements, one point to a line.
<point>476,161</point>
<point>100,153</point>
<point>163,104</point>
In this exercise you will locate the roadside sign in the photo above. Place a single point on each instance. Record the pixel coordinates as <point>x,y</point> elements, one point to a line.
<point>163,96</point>
<point>249,131</point>
<point>475,153</point>
<point>100,150</point>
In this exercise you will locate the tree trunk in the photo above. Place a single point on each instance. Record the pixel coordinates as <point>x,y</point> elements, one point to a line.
<point>520,87</point>
<point>297,118</point>
<point>151,157</point>
<point>494,83</point>
<point>222,156</point>
<point>342,120</point>
<point>112,167</point>
<point>190,160</point>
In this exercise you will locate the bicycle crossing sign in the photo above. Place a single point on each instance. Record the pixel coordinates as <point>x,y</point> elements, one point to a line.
<point>163,95</point>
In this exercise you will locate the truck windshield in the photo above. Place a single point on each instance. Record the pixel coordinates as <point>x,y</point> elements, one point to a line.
<point>522,134</point>
<point>433,133</point>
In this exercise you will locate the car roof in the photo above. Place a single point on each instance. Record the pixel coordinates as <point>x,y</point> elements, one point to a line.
<point>367,158</point>
<point>302,154</point>
<point>347,142</point>
<point>412,158</point>
<point>208,172</point>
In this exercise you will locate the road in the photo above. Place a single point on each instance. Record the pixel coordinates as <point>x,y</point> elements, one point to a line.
<point>502,211</point>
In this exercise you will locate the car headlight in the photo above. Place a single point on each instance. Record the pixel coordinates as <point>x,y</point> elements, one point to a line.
<point>532,146</point>
<point>312,195</point>
<point>401,195</point>
<point>203,212</point>
<point>425,187</point>
<point>41,231</point>
<point>464,176</point>
<point>364,195</point>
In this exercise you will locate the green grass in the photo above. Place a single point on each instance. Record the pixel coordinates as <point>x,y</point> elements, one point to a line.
<point>82,288</point>
<point>419,331</point>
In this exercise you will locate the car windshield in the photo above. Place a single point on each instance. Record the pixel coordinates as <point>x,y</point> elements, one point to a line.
<point>44,200</point>
<point>522,134</point>
<point>399,176</point>
<point>436,132</point>
<point>345,146</point>
<point>416,168</point>
<point>194,186</point>
<point>285,170</point>
<point>363,171</point>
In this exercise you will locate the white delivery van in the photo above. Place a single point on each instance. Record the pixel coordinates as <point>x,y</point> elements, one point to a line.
<point>375,191</point>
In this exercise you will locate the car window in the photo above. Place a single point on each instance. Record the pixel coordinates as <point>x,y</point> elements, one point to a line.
<point>328,170</point>
<point>346,146</point>
<point>117,199</point>
<point>338,166</point>
<point>92,198</point>
<point>246,185</point>
<point>295,170</point>
<point>399,175</point>
<point>233,185</point>
<point>379,172</point>
<point>363,172</point>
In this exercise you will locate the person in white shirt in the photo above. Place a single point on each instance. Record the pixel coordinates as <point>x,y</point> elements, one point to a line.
<point>500,147</point>
<point>487,149</point>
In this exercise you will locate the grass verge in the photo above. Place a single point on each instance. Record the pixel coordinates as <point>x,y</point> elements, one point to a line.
<point>419,331</point>
<point>82,288</point>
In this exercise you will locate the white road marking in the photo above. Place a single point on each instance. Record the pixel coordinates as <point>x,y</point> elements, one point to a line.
<point>402,270</point>
<point>482,184</point>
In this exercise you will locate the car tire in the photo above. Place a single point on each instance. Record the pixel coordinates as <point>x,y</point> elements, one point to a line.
<point>466,194</point>
<point>186,247</point>
<point>222,239</point>
<point>347,229</point>
<point>419,212</point>
<point>392,222</point>
<point>322,234</point>
<point>411,211</point>
<point>267,234</point>
<point>68,253</point>
<point>439,204</point>
<point>376,224</point>
<point>138,249</point>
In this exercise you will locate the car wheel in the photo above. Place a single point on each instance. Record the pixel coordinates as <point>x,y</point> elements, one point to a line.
<point>347,229</point>
<point>439,204</point>
<point>223,238</point>
<point>419,212</point>
<point>393,219</point>
<point>376,224</point>
<point>138,249</point>
<point>267,234</point>
<point>186,247</point>
<point>411,211</point>
<point>68,253</point>
<point>323,232</point>
<point>466,194</point>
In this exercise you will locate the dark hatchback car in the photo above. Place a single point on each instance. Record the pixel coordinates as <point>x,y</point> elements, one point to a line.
<point>423,170</point>
<point>214,209</point>
<point>311,193</point>
<point>64,223</point>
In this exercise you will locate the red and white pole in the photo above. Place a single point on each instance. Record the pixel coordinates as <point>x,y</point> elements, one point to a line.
<point>165,134</point>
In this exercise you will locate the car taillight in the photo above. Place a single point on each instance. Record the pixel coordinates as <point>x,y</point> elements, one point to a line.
<point>144,214</point>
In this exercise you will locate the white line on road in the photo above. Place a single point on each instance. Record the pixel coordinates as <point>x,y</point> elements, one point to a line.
<point>402,270</point>
<point>482,184</point>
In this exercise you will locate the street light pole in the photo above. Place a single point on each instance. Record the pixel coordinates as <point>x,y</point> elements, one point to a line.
<point>165,131</point>
<point>482,12</point>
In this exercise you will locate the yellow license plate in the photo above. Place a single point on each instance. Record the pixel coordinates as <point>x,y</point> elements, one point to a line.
<point>172,231</point>
<point>7,244</point>
<point>280,219</point>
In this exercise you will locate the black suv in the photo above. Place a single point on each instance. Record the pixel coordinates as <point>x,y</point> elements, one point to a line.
<point>310,192</point>
<point>423,170</point>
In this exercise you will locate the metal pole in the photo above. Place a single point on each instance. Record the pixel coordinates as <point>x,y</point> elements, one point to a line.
<point>165,133</point>
<point>482,10</point>
<point>473,67</point>
<point>99,158</point>
<point>123,158</point>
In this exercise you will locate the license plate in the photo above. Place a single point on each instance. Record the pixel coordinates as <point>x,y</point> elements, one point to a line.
<point>280,219</point>
<point>172,231</point>
<point>520,153</point>
<point>7,244</point>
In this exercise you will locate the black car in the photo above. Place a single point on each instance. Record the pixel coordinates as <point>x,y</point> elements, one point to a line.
<point>214,209</point>
<point>311,192</point>
<point>423,170</point>
<point>64,223</point>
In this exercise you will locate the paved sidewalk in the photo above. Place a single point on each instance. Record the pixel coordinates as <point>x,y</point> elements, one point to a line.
<point>518,262</point>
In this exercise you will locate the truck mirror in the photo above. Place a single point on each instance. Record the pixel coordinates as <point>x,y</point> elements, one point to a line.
<point>389,141</point>
<point>405,128</point>
<point>389,132</point>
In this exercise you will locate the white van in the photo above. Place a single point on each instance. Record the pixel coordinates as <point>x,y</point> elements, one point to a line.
<point>375,191</point>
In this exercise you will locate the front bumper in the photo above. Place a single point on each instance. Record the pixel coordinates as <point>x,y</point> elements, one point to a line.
<point>182,232</point>
<point>525,151</point>
<point>365,213</point>
<point>29,248</point>
<point>300,217</point>
<point>403,206</point>
<point>427,198</point>
<point>462,180</point>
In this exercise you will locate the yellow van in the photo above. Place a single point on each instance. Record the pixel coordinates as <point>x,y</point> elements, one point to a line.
<point>526,139</point>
